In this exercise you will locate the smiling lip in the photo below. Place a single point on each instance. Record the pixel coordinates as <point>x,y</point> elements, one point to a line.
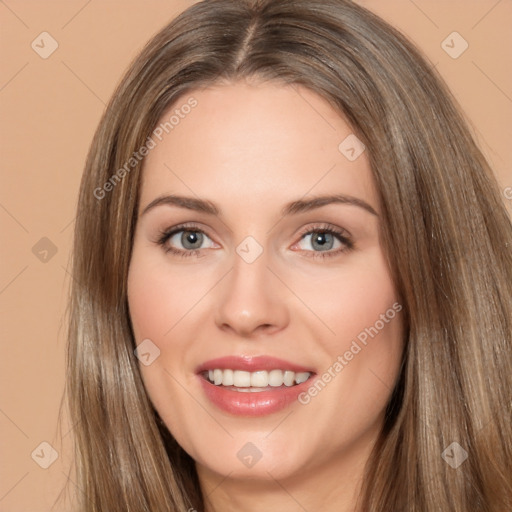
<point>252,403</point>
<point>251,364</point>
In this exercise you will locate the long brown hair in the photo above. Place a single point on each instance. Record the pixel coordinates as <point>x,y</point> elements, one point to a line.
<point>445,231</point>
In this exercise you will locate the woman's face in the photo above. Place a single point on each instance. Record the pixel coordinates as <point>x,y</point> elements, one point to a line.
<point>274,282</point>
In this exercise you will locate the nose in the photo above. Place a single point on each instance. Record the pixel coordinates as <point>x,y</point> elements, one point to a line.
<point>251,300</point>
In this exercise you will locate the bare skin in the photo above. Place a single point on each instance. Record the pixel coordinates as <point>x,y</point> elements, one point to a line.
<point>250,150</point>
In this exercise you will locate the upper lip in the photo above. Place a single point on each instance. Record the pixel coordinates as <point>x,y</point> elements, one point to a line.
<point>251,364</point>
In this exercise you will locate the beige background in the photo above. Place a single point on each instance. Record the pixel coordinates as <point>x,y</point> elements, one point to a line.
<point>49,110</point>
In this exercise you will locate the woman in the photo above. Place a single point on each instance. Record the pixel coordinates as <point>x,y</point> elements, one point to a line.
<point>340,336</point>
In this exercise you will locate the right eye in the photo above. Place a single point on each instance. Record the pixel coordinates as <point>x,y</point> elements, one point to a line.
<point>190,238</point>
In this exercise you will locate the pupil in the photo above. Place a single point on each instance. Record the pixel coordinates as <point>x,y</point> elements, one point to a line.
<point>323,240</point>
<point>191,237</point>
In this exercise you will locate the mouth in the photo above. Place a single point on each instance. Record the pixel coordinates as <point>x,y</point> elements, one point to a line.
<point>253,386</point>
<point>254,382</point>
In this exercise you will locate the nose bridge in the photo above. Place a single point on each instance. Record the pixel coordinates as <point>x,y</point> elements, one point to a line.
<point>250,297</point>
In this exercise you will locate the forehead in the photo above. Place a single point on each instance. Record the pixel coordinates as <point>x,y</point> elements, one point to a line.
<point>254,142</point>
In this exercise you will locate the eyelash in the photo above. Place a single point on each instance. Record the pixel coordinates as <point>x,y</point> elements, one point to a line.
<point>324,228</point>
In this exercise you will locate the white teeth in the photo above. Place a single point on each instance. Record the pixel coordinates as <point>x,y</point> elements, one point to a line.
<point>301,377</point>
<point>241,379</point>
<point>217,377</point>
<point>257,380</point>
<point>275,378</point>
<point>288,378</point>
<point>227,378</point>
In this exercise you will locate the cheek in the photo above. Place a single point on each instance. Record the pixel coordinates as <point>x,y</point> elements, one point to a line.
<point>352,302</point>
<point>159,296</point>
<point>362,339</point>
<point>158,300</point>
<point>151,299</point>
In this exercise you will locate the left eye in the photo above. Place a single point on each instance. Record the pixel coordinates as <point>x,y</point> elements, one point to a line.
<point>326,241</point>
<point>322,240</point>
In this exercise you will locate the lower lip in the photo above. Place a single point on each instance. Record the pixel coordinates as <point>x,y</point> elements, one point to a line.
<point>257,403</point>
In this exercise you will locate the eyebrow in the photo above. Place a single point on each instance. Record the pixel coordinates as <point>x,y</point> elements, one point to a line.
<point>293,208</point>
